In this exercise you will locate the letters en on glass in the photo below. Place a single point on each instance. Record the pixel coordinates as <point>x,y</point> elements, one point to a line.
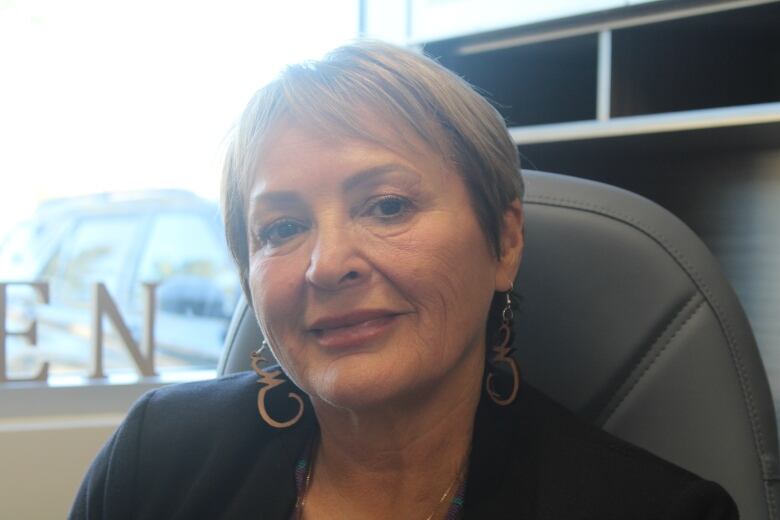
<point>102,305</point>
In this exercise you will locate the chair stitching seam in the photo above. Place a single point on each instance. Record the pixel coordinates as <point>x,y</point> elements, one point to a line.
<point>609,412</point>
<point>747,390</point>
<point>690,269</point>
<point>657,355</point>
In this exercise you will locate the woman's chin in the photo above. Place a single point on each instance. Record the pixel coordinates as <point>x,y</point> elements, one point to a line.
<point>357,388</point>
<point>353,393</point>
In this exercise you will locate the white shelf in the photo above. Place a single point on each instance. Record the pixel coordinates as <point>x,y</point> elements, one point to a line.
<point>525,38</point>
<point>648,124</point>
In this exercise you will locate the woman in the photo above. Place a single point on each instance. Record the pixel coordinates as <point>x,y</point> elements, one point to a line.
<point>372,202</point>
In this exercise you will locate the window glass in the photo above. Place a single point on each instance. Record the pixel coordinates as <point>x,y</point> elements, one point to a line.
<point>97,251</point>
<point>116,172</point>
<point>184,245</point>
<point>196,291</point>
<point>16,253</point>
<point>27,246</point>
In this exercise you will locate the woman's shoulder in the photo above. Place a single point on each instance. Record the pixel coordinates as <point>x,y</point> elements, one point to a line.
<point>201,416</point>
<point>571,437</point>
<point>183,450</point>
<point>228,402</point>
<point>583,467</point>
<point>199,402</point>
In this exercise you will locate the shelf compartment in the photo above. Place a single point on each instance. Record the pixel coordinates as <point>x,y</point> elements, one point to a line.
<point>545,82</point>
<point>721,59</point>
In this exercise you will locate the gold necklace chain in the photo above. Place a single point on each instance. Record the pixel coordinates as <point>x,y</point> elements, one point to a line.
<point>301,501</point>
<point>457,479</point>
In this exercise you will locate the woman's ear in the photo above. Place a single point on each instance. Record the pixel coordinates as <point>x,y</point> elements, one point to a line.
<point>512,240</point>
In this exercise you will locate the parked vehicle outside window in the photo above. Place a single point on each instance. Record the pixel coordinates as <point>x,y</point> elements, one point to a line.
<point>169,238</point>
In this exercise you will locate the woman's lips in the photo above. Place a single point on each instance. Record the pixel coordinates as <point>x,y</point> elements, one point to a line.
<point>351,331</point>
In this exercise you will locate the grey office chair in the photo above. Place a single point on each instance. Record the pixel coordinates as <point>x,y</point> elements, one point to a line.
<point>626,319</point>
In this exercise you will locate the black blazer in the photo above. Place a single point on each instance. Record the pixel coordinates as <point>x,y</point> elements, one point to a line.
<point>200,450</point>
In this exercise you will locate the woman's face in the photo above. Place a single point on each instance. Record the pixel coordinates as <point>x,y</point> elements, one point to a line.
<point>369,272</point>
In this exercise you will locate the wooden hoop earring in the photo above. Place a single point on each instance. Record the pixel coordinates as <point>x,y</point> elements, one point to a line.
<point>270,381</point>
<point>504,355</point>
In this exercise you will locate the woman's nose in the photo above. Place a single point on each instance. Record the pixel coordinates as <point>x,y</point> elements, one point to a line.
<point>335,261</point>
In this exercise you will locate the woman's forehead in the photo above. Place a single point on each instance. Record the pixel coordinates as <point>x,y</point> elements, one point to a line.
<point>377,124</point>
<point>305,158</point>
<point>292,138</point>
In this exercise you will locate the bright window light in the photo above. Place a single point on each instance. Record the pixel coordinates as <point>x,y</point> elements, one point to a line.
<point>109,97</point>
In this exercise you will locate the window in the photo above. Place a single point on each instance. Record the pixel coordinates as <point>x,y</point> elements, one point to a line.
<point>197,288</point>
<point>99,250</point>
<point>145,94</point>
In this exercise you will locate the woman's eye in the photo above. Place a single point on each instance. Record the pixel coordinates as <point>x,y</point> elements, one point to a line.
<point>280,232</point>
<point>388,207</point>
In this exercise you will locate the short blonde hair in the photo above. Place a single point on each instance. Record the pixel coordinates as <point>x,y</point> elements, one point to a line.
<point>405,91</point>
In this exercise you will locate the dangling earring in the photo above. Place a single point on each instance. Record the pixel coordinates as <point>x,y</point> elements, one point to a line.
<point>268,378</point>
<point>503,355</point>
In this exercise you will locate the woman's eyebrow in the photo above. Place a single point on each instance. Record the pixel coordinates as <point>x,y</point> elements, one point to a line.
<point>274,200</point>
<point>283,199</point>
<point>377,174</point>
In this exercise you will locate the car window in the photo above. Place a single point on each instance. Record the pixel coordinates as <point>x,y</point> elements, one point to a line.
<point>186,256</point>
<point>197,287</point>
<point>96,251</point>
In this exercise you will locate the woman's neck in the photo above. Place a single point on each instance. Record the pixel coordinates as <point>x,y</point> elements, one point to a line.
<point>395,461</point>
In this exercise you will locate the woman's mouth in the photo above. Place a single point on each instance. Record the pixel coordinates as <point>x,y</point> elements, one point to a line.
<point>351,330</point>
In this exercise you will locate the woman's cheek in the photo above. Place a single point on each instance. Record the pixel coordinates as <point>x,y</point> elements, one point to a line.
<point>274,289</point>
